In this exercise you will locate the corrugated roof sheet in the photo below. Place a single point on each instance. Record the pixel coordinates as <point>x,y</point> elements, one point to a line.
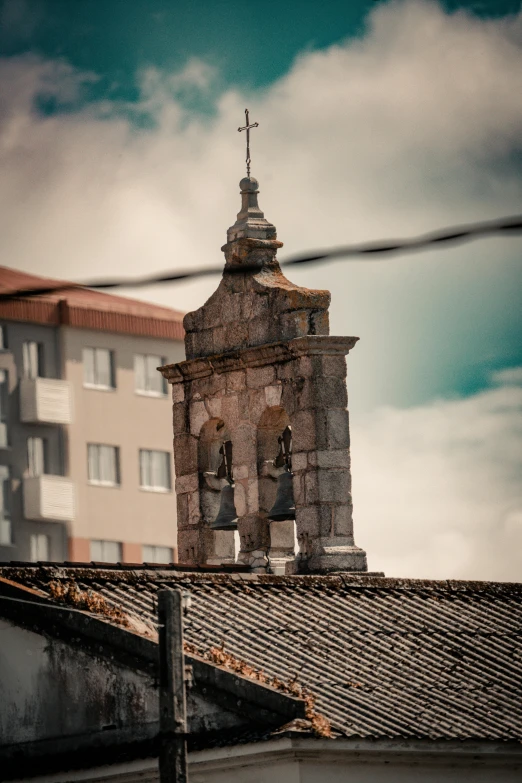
<point>385,658</point>
<point>86,308</point>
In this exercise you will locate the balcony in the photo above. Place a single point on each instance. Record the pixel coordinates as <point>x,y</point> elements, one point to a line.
<point>45,401</point>
<point>48,498</point>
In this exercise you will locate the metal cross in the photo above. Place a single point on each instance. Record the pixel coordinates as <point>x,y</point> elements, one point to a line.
<point>247,128</point>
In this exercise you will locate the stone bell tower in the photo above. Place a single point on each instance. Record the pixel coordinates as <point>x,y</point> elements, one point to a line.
<point>260,360</point>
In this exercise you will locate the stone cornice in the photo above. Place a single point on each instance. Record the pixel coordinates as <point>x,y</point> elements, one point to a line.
<point>260,356</point>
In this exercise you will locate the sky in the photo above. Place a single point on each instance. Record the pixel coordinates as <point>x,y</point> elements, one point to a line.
<point>120,155</point>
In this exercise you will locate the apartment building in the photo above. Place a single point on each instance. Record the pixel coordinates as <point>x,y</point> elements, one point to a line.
<point>85,426</point>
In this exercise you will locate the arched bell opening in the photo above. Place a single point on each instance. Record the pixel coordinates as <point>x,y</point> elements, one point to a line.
<point>271,425</point>
<point>275,484</point>
<point>215,491</point>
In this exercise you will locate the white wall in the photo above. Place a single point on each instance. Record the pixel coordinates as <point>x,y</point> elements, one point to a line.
<point>50,690</point>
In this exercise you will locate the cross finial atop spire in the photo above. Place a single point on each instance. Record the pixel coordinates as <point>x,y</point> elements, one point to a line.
<point>247,128</point>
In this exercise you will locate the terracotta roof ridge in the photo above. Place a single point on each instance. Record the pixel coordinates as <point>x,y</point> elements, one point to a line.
<point>76,305</point>
<point>30,281</point>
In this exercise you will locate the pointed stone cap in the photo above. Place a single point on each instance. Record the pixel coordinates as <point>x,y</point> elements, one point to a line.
<point>261,306</point>
<point>251,222</point>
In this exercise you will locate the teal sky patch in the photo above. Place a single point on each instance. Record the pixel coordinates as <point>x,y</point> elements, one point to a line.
<point>251,44</point>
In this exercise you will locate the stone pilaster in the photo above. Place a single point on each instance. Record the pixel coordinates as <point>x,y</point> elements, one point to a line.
<point>321,458</point>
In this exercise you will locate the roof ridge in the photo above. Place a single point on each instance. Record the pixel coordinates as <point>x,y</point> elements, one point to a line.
<point>179,571</point>
<point>76,305</point>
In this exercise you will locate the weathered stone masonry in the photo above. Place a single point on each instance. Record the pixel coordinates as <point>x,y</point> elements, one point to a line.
<point>259,357</point>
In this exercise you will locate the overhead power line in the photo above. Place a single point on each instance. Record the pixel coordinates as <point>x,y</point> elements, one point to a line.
<point>446,236</point>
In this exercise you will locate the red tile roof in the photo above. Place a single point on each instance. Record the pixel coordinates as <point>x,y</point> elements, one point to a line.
<point>85,308</point>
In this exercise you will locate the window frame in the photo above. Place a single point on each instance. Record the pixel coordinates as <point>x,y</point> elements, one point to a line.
<point>153,487</point>
<point>147,392</point>
<point>27,360</point>
<point>37,538</point>
<point>154,559</point>
<point>101,482</point>
<point>112,369</point>
<point>6,522</point>
<point>102,542</point>
<point>44,454</point>
<point>4,409</point>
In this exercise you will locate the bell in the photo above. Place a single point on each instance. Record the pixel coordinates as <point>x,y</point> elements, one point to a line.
<point>227,516</point>
<point>284,506</point>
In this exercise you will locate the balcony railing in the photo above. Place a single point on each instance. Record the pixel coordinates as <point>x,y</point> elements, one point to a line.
<point>49,498</point>
<point>45,401</point>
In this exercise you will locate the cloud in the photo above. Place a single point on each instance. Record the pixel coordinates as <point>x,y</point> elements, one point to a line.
<point>509,375</point>
<point>437,488</point>
<point>159,91</point>
<point>414,125</point>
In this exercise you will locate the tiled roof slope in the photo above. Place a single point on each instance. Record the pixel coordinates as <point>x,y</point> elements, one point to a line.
<point>86,308</point>
<point>385,658</point>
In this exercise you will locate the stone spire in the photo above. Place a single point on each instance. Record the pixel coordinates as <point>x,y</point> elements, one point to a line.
<point>260,360</point>
<point>257,307</point>
<point>251,222</point>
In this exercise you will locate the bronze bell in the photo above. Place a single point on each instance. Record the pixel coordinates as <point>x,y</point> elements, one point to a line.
<point>227,515</point>
<point>284,506</point>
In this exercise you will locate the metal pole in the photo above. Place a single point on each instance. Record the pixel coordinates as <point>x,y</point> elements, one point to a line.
<point>172,703</point>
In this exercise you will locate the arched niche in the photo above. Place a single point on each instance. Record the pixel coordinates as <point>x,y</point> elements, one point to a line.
<point>220,545</point>
<point>282,534</point>
<point>271,425</point>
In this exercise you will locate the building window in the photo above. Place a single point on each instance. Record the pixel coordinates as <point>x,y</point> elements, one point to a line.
<point>147,379</point>
<point>155,470</point>
<point>157,554</point>
<point>37,456</point>
<point>4,396</point>
<point>5,506</point>
<point>106,552</point>
<point>103,464</point>
<point>32,359</point>
<point>3,337</point>
<point>39,543</point>
<point>98,368</point>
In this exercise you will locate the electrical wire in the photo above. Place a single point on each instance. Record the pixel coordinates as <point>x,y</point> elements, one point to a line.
<point>447,236</point>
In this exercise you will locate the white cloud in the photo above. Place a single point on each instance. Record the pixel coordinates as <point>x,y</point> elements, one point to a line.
<point>437,488</point>
<point>159,90</point>
<point>509,375</point>
<point>411,127</point>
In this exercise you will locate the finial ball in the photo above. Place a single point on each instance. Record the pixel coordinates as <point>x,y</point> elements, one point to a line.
<point>249,185</point>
